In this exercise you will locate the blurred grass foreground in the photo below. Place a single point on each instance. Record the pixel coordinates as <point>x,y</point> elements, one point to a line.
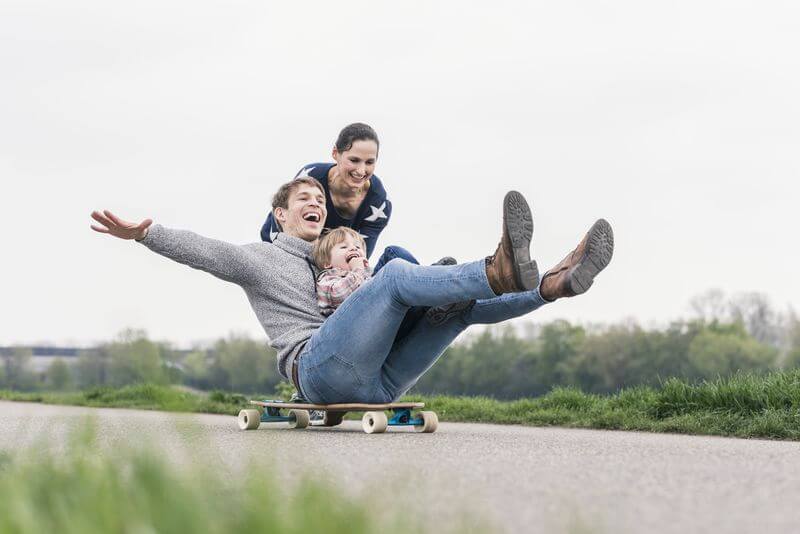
<point>85,490</point>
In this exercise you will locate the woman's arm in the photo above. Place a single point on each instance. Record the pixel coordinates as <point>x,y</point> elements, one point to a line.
<point>373,225</point>
<point>269,229</point>
<point>232,263</point>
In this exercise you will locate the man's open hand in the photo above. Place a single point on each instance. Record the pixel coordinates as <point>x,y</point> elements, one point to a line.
<point>111,224</point>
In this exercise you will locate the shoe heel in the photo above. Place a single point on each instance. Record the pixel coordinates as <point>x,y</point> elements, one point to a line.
<point>529,275</point>
<point>580,281</point>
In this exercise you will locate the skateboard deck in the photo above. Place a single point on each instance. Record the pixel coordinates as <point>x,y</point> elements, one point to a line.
<point>351,407</point>
<point>374,420</point>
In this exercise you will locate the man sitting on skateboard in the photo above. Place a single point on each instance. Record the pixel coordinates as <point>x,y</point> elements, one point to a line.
<point>352,356</point>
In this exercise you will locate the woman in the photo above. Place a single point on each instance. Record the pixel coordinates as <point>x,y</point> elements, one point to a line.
<point>355,197</point>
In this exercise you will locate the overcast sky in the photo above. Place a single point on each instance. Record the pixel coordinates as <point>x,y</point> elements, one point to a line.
<point>676,121</point>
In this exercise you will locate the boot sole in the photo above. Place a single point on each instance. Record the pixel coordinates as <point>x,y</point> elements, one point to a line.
<point>599,249</point>
<point>518,223</point>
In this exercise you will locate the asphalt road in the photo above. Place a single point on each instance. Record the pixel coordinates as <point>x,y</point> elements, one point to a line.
<point>519,479</point>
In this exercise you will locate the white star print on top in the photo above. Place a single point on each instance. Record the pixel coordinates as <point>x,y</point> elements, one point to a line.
<point>377,213</point>
<point>304,172</point>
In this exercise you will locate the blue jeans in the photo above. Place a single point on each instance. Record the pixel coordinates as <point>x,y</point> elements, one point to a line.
<point>393,252</point>
<point>414,314</point>
<point>353,356</point>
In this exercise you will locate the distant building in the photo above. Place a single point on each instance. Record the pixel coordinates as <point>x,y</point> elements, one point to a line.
<point>43,357</point>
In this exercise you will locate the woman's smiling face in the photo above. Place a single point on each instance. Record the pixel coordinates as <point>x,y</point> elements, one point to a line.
<point>356,165</point>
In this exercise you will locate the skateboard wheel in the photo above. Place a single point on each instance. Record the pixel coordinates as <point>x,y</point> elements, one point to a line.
<point>301,418</point>
<point>249,419</point>
<point>374,422</point>
<point>430,422</point>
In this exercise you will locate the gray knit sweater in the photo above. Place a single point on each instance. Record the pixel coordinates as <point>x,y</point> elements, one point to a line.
<point>277,277</point>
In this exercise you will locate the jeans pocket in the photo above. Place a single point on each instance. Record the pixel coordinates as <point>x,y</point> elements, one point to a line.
<point>334,380</point>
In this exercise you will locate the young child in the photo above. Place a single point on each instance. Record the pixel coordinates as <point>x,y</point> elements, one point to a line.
<point>341,253</point>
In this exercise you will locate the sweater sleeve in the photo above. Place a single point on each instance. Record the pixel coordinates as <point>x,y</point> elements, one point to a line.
<point>232,263</point>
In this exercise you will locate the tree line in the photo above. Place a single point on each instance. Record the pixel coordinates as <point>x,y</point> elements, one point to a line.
<point>722,336</point>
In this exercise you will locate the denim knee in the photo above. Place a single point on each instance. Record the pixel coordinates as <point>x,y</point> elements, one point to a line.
<point>391,253</point>
<point>397,268</point>
<point>394,251</point>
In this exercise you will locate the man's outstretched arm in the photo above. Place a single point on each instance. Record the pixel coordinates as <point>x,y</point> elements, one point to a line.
<point>232,263</point>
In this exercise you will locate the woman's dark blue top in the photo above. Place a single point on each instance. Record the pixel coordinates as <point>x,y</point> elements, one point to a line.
<point>371,217</point>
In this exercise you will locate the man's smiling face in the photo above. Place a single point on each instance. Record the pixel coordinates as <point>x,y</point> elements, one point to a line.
<point>305,215</point>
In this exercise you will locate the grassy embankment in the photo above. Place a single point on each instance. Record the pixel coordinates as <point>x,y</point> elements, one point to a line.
<point>763,406</point>
<point>87,489</point>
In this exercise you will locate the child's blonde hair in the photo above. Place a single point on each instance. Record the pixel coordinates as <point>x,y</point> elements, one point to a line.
<point>323,246</point>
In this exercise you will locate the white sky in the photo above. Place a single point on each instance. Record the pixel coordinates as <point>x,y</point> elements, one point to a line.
<point>676,121</point>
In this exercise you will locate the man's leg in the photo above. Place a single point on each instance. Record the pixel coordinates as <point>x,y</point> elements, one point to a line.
<point>343,359</point>
<point>412,316</point>
<point>572,276</point>
<point>417,352</point>
<point>416,313</point>
<point>393,252</point>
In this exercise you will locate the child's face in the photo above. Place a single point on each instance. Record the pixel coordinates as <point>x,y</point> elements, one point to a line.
<point>348,254</point>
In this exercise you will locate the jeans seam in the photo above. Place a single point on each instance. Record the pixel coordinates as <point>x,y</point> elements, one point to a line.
<point>314,376</point>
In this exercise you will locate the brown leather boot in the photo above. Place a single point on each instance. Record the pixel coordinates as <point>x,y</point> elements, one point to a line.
<point>510,269</point>
<point>575,273</point>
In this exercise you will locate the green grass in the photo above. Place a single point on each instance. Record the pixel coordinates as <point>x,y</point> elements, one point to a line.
<point>86,490</point>
<point>744,405</point>
<point>139,396</point>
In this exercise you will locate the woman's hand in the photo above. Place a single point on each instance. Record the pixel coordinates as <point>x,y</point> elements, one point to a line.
<point>111,224</point>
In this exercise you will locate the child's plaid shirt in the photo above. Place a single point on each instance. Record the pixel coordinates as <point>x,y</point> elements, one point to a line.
<point>334,285</point>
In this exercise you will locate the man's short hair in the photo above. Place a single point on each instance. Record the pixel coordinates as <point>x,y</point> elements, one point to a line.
<point>321,252</point>
<point>281,197</point>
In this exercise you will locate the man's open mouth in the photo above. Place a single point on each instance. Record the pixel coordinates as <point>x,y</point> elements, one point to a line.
<point>312,217</point>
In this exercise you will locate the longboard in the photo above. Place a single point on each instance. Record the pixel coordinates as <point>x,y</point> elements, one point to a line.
<point>374,420</point>
<point>351,407</point>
